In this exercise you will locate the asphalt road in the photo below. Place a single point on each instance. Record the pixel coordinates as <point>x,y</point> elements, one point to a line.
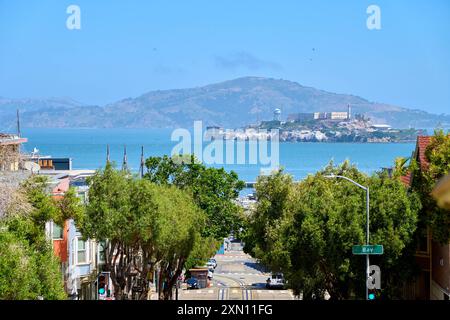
<point>237,277</point>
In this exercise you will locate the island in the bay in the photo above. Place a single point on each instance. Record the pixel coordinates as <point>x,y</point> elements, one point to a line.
<point>333,126</point>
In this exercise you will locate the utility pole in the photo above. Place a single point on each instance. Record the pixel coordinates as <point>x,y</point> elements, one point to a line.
<point>367,243</point>
<point>107,154</point>
<point>18,123</point>
<point>141,168</point>
<point>125,160</point>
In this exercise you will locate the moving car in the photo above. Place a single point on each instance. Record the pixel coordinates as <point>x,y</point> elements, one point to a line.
<point>276,280</point>
<point>192,283</point>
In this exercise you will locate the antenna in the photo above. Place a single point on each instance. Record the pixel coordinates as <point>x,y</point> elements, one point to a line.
<point>141,168</point>
<point>125,161</point>
<point>107,154</point>
<point>18,123</point>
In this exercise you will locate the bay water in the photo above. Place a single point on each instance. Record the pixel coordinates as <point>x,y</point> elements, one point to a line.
<point>87,148</point>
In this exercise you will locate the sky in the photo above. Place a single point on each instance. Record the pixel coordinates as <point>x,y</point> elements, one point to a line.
<point>126,48</point>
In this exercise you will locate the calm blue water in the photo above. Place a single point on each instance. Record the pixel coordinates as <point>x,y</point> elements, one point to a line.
<point>87,148</point>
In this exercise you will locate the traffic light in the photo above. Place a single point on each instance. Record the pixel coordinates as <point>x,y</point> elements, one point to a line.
<point>101,284</point>
<point>372,294</point>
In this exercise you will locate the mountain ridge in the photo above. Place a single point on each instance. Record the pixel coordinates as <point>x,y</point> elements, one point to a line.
<point>231,104</point>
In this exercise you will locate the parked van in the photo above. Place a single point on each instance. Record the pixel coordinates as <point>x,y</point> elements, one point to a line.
<point>276,280</point>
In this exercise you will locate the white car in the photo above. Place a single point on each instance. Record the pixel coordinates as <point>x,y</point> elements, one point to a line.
<point>276,280</point>
<point>212,263</point>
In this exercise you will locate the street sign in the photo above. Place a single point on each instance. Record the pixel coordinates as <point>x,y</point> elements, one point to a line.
<point>368,249</point>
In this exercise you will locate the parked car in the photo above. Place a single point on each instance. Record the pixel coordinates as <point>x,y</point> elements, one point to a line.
<point>276,280</point>
<point>212,262</point>
<point>192,283</point>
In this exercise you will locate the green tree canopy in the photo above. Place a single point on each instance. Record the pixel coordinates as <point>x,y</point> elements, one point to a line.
<point>307,229</point>
<point>145,225</point>
<point>28,267</point>
<point>214,190</point>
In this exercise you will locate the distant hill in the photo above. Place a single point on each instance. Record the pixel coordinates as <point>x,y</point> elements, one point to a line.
<point>229,104</point>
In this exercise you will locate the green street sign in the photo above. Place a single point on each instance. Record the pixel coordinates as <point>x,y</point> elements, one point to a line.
<point>368,249</point>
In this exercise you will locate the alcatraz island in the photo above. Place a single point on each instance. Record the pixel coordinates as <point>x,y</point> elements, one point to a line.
<point>334,126</point>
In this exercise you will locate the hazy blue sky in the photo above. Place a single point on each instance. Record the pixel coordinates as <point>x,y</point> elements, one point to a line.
<point>125,48</point>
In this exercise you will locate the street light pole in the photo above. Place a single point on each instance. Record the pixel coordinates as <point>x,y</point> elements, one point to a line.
<point>367,243</point>
<point>367,224</point>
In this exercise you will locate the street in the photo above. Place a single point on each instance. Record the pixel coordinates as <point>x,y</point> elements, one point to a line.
<point>237,277</point>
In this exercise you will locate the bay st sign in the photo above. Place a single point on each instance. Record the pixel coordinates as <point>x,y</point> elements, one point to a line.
<point>368,249</point>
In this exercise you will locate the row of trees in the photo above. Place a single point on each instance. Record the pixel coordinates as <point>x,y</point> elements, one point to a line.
<point>172,219</point>
<point>176,216</point>
<point>28,267</point>
<point>306,230</point>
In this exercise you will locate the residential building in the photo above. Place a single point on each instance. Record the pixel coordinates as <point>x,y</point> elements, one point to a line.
<point>10,151</point>
<point>433,259</point>
<point>441,258</point>
<point>81,259</point>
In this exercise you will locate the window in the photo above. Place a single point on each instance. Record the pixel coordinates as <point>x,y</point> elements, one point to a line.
<point>423,244</point>
<point>101,252</point>
<point>81,251</point>
<point>57,232</point>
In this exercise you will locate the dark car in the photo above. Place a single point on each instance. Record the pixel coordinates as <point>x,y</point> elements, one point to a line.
<point>192,283</point>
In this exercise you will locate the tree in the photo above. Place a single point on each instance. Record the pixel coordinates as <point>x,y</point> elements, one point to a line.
<point>261,236</point>
<point>180,223</point>
<point>167,228</point>
<point>145,226</point>
<point>28,268</point>
<point>307,230</point>
<point>108,218</point>
<point>214,190</point>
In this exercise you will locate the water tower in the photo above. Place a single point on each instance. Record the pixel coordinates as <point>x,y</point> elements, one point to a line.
<point>277,114</point>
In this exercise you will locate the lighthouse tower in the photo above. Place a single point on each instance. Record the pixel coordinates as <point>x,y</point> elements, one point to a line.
<point>349,112</point>
<point>277,115</point>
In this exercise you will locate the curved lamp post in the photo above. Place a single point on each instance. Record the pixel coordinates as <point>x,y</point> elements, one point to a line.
<point>367,221</point>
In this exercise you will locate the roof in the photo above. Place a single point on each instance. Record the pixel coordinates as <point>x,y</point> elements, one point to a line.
<point>8,139</point>
<point>406,179</point>
<point>421,146</point>
<point>61,187</point>
<point>422,143</point>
